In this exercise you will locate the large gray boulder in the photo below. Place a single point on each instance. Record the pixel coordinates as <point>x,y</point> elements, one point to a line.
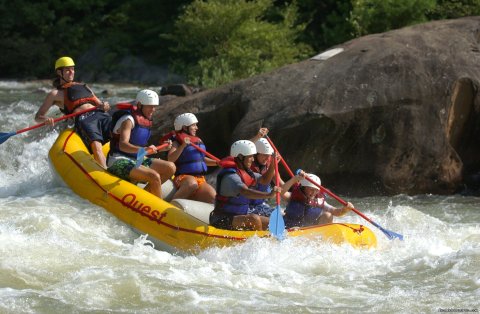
<point>393,113</point>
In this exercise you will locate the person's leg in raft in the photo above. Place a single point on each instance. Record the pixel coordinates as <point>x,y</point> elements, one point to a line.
<point>152,177</point>
<point>97,151</point>
<point>250,222</point>
<point>154,172</point>
<point>166,169</point>
<point>317,216</point>
<point>205,193</point>
<point>325,218</point>
<point>187,186</point>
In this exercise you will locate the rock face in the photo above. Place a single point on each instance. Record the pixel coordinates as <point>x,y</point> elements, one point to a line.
<point>397,112</point>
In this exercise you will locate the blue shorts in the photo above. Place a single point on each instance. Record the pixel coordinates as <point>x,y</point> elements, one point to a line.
<point>93,126</point>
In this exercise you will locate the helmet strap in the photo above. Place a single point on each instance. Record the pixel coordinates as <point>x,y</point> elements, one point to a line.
<point>302,189</point>
<point>239,161</point>
<point>185,130</point>
<point>61,75</point>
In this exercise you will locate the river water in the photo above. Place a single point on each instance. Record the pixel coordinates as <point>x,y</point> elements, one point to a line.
<point>62,254</point>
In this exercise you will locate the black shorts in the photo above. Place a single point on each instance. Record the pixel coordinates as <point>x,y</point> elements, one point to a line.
<point>94,126</point>
<point>221,220</point>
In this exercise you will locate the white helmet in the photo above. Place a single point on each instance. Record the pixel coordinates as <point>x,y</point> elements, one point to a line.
<point>185,119</point>
<point>263,147</point>
<point>305,182</point>
<point>243,147</point>
<point>147,97</point>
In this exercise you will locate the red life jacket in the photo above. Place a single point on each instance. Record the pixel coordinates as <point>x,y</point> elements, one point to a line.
<point>229,162</point>
<point>180,137</point>
<point>76,94</point>
<point>297,195</point>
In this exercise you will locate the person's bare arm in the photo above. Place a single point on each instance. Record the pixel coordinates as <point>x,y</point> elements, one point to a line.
<point>210,162</point>
<point>53,98</point>
<point>176,150</point>
<point>124,143</point>
<point>261,133</point>
<point>286,187</point>
<point>254,194</point>
<point>340,211</point>
<point>267,177</point>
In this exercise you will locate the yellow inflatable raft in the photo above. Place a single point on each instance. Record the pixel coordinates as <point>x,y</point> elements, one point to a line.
<point>179,226</point>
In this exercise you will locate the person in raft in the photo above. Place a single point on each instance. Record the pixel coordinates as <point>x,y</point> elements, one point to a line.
<point>261,164</point>
<point>93,126</point>
<point>235,190</point>
<point>130,132</point>
<point>306,204</point>
<point>191,163</point>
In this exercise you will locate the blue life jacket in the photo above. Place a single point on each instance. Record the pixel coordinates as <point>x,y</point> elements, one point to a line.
<point>139,136</point>
<point>300,211</point>
<point>191,160</point>
<point>236,205</point>
<point>263,188</point>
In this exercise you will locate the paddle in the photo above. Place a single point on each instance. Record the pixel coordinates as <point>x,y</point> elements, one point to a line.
<point>390,234</point>
<point>281,158</point>
<point>6,136</point>
<point>142,152</point>
<point>125,105</point>
<point>205,152</point>
<point>276,225</point>
<point>218,160</point>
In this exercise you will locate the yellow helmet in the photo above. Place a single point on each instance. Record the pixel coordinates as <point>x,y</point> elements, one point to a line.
<point>64,62</point>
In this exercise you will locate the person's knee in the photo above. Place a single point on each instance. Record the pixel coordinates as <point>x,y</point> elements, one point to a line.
<point>167,168</point>
<point>210,189</point>
<point>171,168</point>
<point>328,217</point>
<point>154,178</point>
<point>256,222</point>
<point>191,184</point>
